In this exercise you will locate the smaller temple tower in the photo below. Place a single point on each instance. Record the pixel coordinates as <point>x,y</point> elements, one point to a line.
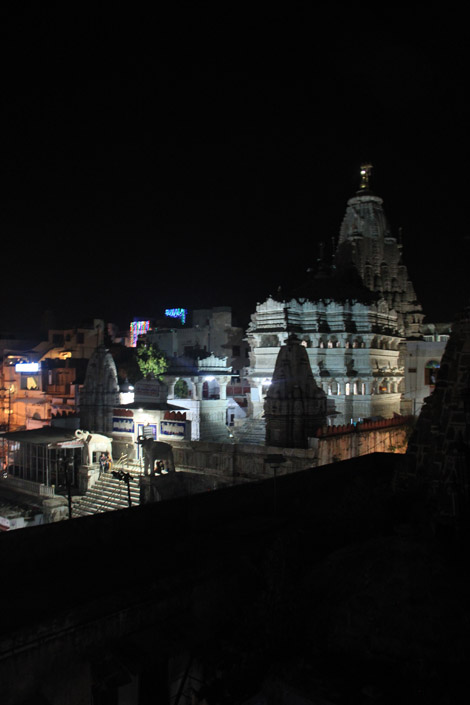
<point>295,406</point>
<point>100,393</point>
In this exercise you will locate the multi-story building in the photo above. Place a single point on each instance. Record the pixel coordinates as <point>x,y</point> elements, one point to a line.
<point>200,333</point>
<point>43,381</point>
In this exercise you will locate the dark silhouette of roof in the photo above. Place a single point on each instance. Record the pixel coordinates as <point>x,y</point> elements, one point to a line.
<point>329,283</point>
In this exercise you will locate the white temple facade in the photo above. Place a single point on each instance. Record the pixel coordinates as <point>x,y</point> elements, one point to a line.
<point>353,350</point>
<point>354,318</point>
<point>205,399</point>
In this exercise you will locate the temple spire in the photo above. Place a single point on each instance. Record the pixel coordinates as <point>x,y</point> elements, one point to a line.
<point>365,176</point>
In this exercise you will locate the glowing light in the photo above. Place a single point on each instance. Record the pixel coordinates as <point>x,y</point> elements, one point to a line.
<point>138,328</point>
<point>365,171</point>
<point>209,378</point>
<point>27,367</point>
<point>180,313</point>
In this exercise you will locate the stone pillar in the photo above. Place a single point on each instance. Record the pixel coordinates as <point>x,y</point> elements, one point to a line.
<point>170,381</point>
<point>223,382</point>
<point>256,398</point>
<point>198,383</point>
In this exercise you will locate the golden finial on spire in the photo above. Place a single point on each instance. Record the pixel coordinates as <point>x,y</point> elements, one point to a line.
<point>365,175</point>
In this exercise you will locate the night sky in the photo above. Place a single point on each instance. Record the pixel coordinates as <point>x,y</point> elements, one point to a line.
<point>199,159</point>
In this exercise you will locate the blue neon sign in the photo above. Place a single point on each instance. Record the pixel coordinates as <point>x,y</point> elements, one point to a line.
<point>180,313</point>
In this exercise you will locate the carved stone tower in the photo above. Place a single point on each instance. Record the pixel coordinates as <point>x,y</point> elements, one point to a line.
<point>100,393</point>
<point>366,242</point>
<point>439,449</point>
<point>295,406</point>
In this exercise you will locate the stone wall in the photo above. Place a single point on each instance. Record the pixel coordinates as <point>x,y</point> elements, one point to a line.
<point>241,462</point>
<point>335,443</point>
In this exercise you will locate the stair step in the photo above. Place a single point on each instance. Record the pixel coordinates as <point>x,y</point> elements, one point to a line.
<point>108,494</point>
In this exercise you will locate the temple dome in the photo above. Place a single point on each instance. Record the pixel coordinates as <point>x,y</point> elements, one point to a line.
<point>364,217</point>
<point>366,244</point>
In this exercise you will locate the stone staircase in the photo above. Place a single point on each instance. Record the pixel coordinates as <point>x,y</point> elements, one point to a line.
<point>215,433</point>
<point>251,431</point>
<point>107,495</point>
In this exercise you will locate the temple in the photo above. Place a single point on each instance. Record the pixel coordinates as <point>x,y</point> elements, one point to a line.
<point>354,316</point>
<point>367,244</point>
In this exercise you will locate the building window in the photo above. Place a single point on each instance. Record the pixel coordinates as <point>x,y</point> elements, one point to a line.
<point>29,382</point>
<point>430,372</point>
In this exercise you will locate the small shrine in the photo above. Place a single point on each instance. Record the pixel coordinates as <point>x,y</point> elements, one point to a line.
<point>295,406</point>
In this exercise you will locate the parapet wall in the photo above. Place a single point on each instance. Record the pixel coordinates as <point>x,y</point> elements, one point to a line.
<point>335,443</point>
<point>241,462</point>
<point>364,426</point>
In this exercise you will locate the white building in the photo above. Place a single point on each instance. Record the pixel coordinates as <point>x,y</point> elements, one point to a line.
<point>356,319</point>
<point>149,414</point>
<point>353,350</point>
<point>200,333</point>
<point>422,360</point>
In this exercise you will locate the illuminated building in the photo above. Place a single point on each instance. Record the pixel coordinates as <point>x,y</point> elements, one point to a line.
<point>201,332</point>
<point>42,381</point>
<point>138,328</point>
<point>367,244</point>
<point>422,360</point>
<point>353,317</point>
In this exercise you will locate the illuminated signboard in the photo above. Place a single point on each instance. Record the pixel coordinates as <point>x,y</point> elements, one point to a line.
<point>121,425</point>
<point>27,367</point>
<point>180,313</point>
<point>173,428</point>
<point>138,328</point>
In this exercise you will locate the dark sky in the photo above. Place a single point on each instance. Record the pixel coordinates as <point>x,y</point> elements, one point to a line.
<point>194,160</point>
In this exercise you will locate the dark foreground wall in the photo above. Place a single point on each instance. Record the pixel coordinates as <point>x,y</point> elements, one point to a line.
<point>308,567</point>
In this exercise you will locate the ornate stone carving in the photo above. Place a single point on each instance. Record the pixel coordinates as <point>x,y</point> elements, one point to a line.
<point>366,242</point>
